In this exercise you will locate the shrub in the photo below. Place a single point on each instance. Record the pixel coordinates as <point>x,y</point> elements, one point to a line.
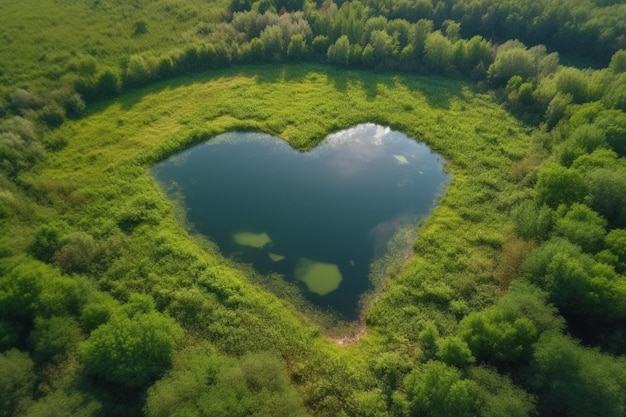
<point>131,352</point>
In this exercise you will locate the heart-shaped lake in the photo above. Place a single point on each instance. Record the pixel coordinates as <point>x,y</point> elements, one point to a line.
<point>319,218</point>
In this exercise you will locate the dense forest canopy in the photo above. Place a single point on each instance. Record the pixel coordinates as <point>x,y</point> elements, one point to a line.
<point>512,303</point>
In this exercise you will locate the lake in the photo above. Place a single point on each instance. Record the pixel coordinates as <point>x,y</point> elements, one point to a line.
<point>318,218</point>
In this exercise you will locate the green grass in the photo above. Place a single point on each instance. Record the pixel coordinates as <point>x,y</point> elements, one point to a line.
<point>38,40</point>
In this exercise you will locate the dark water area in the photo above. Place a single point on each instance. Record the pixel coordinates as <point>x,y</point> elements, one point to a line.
<point>318,218</point>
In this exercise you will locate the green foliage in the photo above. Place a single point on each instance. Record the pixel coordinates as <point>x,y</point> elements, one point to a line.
<point>428,338</point>
<point>140,27</point>
<point>76,253</point>
<point>97,311</point>
<point>571,81</point>
<point>557,185</point>
<point>437,390</point>
<point>576,381</point>
<point>19,147</point>
<point>47,240</point>
<point>498,396</point>
<point>272,38</point>
<point>112,47</point>
<point>63,403</point>
<point>588,137</point>
<point>512,59</point>
<point>339,52</point>
<point>454,351</point>
<point>618,62</point>
<point>17,381</point>
<point>556,108</point>
<point>131,351</point>
<point>205,383</point>
<point>29,289</point>
<point>582,226</point>
<point>505,332</point>
<point>389,368</point>
<point>438,53</point>
<point>20,288</point>
<point>297,48</point>
<point>532,222</point>
<point>613,123</point>
<point>615,241</point>
<point>54,338</point>
<point>579,286</point>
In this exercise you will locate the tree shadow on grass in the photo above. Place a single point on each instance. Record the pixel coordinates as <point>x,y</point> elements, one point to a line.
<point>439,91</point>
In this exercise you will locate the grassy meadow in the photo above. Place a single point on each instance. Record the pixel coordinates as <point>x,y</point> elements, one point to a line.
<point>40,40</point>
<point>100,178</point>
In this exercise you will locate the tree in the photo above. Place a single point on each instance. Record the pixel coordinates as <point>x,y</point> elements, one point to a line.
<point>588,293</point>
<point>367,57</point>
<point>613,123</point>
<point>131,351</point>
<point>573,82</point>
<point>257,50</point>
<point>297,49</point>
<point>558,185</point>
<point>556,108</point>
<point>417,36</point>
<point>61,402</point>
<point>512,59</point>
<point>615,241</point>
<point>272,37</point>
<point>607,189</point>
<point>384,45</point>
<point>588,137</point>
<point>138,71</point>
<point>577,382</point>
<point>109,83</point>
<point>454,351</point>
<point>478,54</point>
<point>438,390</point>
<point>17,381</point>
<point>582,226</point>
<point>77,253</point>
<point>618,62</point>
<point>505,332</point>
<point>498,396</point>
<point>205,383</point>
<point>47,240</point>
<point>533,222</point>
<point>438,53</point>
<point>339,52</point>
<point>54,338</point>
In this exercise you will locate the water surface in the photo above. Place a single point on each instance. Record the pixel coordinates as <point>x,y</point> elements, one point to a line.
<point>319,218</point>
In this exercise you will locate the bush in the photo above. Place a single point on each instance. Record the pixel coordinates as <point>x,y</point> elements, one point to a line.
<point>47,240</point>
<point>558,185</point>
<point>131,352</point>
<point>54,338</point>
<point>512,59</point>
<point>582,226</point>
<point>23,100</point>
<point>52,115</point>
<point>17,381</point>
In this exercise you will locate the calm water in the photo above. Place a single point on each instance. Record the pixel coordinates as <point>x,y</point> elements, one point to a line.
<point>319,218</point>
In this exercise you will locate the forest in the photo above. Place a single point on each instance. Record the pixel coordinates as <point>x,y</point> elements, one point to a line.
<point>511,303</point>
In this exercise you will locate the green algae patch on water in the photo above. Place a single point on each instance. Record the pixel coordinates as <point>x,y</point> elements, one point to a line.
<point>255,240</point>
<point>320,278</point>
<point>275,257</point>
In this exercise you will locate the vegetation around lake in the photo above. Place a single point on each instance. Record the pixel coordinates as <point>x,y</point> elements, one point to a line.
<point>511,302</point>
